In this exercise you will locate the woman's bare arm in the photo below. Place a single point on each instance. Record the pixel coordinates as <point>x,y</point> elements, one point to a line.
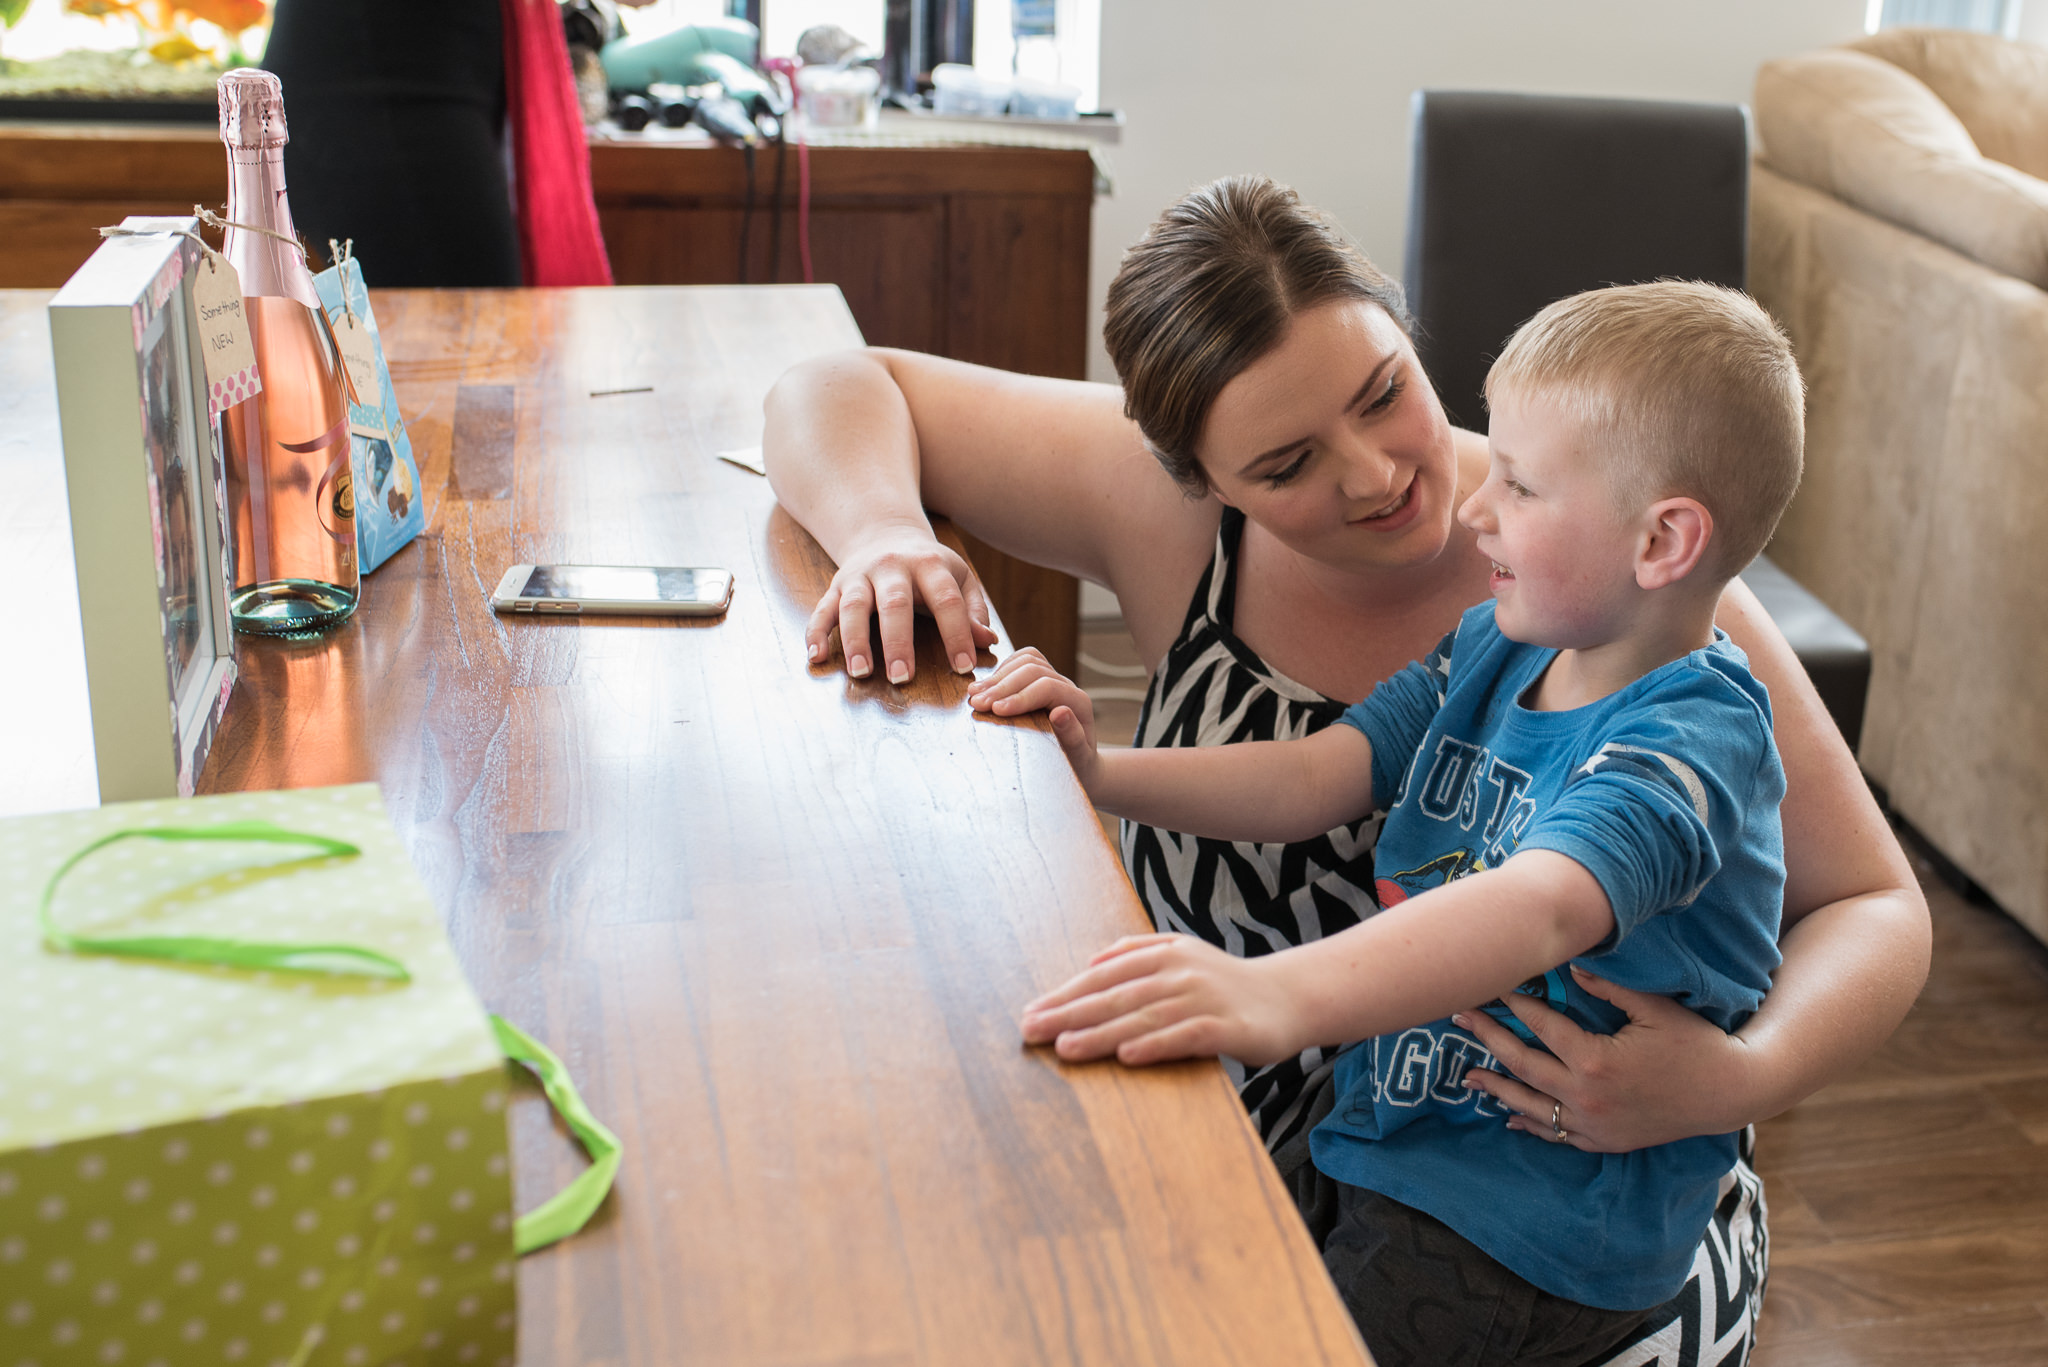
<point>1856,942</point>
<point>859,444</point>
<point>1856,937</point>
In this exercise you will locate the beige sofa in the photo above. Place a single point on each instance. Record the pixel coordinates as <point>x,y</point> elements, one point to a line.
<point>1899,230</point>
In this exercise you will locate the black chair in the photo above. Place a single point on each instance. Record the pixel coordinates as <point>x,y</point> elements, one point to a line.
<point>1519,200</point>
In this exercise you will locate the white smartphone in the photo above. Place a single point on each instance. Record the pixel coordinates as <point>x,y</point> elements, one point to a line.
<point>634,589</point>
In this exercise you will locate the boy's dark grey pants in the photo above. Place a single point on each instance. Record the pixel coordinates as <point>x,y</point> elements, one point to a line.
<point>1423,1295</point>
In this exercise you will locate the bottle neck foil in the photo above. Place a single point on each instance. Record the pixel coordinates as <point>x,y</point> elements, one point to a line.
<point>256,197</point>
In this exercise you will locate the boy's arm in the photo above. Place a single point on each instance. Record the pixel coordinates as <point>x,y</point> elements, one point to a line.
<point>1158,997</point>
<point>1258,791</point>
<point>1275,791</point>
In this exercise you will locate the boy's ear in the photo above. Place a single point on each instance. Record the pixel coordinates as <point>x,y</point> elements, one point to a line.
<point>1676,534</point>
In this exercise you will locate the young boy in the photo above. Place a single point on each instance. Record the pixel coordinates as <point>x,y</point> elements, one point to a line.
<point>1581,775</point>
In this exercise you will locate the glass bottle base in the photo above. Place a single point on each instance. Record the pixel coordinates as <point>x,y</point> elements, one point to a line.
<point>290,607</point>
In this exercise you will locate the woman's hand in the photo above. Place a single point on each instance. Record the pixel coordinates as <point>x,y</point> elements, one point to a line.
<point>1666,1075</point>
<point>892,573</point>
<point>1151,998</point>
<point>1027,682</point>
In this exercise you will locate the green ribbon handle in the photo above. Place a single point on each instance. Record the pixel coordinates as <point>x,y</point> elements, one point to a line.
<point>562,1214</point>
<point>569,1209</point>
<point>208,949</point>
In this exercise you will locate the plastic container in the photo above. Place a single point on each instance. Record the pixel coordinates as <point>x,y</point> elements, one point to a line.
<point>1031,99</point>
<point>837,97</point>
<point>960,89</point>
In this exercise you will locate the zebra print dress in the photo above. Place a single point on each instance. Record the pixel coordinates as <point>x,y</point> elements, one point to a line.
<point>1252,899</point>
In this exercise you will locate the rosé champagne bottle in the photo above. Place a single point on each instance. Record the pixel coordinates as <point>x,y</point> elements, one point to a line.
<point>289,490</point>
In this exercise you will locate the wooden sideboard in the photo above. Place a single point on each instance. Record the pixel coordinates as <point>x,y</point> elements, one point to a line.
<point>976,253</point>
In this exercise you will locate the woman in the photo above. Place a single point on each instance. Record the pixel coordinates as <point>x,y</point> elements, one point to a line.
<point>1301,548</point>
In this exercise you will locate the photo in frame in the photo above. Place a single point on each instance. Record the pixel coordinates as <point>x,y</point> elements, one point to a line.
<point>145,475</point>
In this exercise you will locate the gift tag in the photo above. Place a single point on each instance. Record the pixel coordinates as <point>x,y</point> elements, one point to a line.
<point>229,357</point>
<point>359,354</point>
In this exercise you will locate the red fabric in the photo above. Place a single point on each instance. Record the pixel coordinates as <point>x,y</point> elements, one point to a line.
<point>559,241</point>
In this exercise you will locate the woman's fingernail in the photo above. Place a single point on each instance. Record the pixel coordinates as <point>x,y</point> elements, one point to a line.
<point>857,666</point>
<point>1458,1019</point>
<point>963,663</point>
<point>898,672</point>
<point>813,651</point>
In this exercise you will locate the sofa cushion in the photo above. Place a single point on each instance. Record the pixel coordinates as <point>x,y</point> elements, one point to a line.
<point>1869,133</point>
<point>1997,88</point>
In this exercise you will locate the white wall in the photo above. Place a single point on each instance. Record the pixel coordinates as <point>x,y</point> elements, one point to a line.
<point>2034,21</point>
<point>1315,92</point>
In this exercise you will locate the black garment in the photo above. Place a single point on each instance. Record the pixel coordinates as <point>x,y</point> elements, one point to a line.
<point>1709,1323</point>
<point>396,111</point>
<point>1424,1296</point>
<point>1246,899</point>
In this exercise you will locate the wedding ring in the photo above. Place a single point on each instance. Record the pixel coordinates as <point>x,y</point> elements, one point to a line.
<point>1557,1109</point>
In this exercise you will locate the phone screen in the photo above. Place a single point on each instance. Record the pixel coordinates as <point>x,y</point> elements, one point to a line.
<point>630,583</point>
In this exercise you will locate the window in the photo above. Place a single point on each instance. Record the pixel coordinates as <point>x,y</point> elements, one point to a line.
<point>161,58</point>
<point>172,34</point>
<point>1984,16</point>
<point>782,21</point>
<point>1069,54</point>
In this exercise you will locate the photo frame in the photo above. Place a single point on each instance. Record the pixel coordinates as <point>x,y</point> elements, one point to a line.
<point>146,479</point>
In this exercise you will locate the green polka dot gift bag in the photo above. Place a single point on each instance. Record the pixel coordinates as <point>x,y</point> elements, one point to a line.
<point>251,1112</point>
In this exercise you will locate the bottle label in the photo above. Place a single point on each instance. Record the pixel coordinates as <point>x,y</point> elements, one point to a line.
<point>224,345</point>
<point>359,354</point>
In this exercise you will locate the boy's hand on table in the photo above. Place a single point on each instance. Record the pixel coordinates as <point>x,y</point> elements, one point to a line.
<point>1027,682</point>
<point>1152,998</point>
<point>1668,1074</point>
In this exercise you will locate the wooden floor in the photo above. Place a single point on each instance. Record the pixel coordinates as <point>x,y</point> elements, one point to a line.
<point>1908,1202</point>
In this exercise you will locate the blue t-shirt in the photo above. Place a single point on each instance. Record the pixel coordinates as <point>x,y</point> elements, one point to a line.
<point>1667,791</point>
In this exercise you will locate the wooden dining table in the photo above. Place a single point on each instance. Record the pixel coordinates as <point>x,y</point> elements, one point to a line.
<point>778,922</point>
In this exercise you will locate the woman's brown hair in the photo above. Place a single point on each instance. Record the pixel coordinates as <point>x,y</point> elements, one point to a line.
<point>1211,288</point>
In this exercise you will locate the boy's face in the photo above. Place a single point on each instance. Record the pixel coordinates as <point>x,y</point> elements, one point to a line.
<point>1548,518</point>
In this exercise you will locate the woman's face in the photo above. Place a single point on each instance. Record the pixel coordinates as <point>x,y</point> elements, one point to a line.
<point>1335,443</point>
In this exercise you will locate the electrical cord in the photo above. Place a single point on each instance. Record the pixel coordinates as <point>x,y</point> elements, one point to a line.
<point>746,209</point>
<point>775,209</point>
<point>803,205</point>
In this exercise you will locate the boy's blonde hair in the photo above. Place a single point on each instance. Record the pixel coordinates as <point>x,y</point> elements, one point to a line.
<point>1689,389</point>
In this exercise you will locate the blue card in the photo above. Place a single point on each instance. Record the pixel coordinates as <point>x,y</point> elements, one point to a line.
<point>389,511</point>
